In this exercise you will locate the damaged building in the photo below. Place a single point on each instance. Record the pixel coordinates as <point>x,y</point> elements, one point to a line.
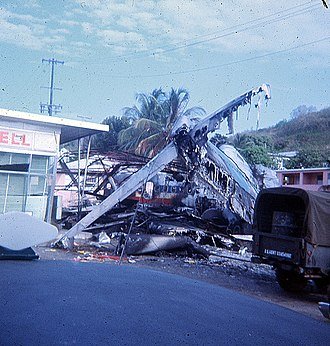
<point>29,146</point>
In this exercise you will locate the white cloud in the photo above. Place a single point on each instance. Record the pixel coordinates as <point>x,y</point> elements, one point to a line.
<point>170,21</point>
<point>81,44</point>
<point>121,39</point>
<point>88,28</point>
<point>60,31</point>
<point>149,25</point>
<point>31,32</point>
<point>70,23</point>
<point>19,18</point>
<point>127,22</point>
<point>31,4</point>
<point>20,35</point>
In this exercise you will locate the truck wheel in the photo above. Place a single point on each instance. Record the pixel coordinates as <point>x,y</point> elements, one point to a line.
<point>290,281</point>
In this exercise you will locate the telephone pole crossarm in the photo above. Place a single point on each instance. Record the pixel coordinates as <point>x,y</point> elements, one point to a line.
<point>51,107</point>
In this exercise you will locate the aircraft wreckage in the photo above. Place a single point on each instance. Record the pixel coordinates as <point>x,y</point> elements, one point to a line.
<point>214,182</point>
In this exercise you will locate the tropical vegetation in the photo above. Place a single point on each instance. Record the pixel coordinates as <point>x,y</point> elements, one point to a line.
<point>107,141</point>
<point>152,120</point>
<point>307,133</point>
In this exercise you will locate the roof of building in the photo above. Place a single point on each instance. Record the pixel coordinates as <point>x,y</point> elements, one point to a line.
<point>70,129</point>
<point>298,170</point>
<point>284,154</point>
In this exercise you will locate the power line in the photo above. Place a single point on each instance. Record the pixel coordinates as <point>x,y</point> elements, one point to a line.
<point>154,51</point>
<point>50,107</point>
<point>226,64</point>
<point>255,26</point>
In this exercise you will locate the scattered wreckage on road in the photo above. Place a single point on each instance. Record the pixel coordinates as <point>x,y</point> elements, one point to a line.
<point>212,187</point>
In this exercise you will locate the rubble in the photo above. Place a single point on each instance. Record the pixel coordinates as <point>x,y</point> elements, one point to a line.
<point>97,257</point>
<point>160,237</point>
<point>147,243</point>
<point>187,201</point>
<point>201,177</point>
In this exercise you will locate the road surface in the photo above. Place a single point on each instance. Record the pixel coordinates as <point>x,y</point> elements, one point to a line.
<point>64,303</point>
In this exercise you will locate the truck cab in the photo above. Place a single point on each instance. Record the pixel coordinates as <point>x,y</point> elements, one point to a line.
<point>292,232</point>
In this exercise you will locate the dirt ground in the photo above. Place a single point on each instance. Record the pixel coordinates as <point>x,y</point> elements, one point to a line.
<point>241,275</point>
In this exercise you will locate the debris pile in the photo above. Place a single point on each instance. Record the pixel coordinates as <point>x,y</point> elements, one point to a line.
<point>150,232</point>
<point>189,196</point>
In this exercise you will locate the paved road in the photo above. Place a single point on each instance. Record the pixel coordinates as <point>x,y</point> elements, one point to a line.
<point>61,302</point>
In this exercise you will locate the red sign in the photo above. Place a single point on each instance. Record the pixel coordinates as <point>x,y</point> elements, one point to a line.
<point>15,138</point>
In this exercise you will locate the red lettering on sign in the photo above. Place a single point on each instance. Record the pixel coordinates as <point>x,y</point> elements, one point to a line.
<point>24,142</point>
<point>4,137</point>
<point>13,139</point>
<point>17,139</point>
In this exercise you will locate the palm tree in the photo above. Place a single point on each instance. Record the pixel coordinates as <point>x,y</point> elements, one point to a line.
<point>103,142</point>
<point>242,140</point>
<point>150,106</point>
<point>154,119</point>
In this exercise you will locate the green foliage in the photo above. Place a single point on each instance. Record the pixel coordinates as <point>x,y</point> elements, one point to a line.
<point>103,142</point>
<point>149,106</point>
<point>218,140</point>
<point>307,133</point>
<point>253,147</point>
<point>302,110</point>
<point>257,154</point>
<point>308,158</point>
<point>309,130</point>
<point>152,120</point>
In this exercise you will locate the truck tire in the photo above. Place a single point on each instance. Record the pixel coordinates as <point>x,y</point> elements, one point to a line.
<point>290,281</point>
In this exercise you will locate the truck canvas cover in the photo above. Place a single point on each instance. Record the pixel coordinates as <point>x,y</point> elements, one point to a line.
<point>315,207</point>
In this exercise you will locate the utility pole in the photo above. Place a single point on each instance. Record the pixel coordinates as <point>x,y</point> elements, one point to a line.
<point>50,107</point>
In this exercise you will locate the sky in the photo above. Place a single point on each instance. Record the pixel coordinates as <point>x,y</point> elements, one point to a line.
<point>114,49</point>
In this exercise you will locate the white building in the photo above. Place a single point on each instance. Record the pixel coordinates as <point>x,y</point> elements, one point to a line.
<point>29,147</point>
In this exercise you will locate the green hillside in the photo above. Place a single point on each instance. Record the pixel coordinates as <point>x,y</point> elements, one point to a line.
<point>305,131</point>
<point>308,134</point>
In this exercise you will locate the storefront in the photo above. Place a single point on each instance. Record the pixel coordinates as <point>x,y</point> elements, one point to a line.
<point>29,147</point>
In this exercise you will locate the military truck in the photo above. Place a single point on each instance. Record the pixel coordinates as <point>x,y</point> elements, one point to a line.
<point>292,232</point>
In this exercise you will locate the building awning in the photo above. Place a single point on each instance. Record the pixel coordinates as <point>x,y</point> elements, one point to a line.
<point>70,129</point>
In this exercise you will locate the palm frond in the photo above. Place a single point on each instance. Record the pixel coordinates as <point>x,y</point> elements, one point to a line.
<point>131,113</point>
<point>127,135</point>
<point>153,116</point>
<point>195,112</point>
<point>150,145</point>
<point>147,125</point>
<point>159,146</point>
